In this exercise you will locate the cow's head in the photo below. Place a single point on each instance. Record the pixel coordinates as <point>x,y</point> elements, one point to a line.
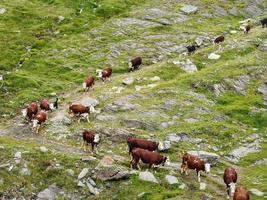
<point>51,106</point>
<point>231,189</point>
<point>167,161</point>
<point>92,109</point>
<point>96,138</point>
<point>99,73</point>
<point>207,168</point>
<point>160,146</point>
<point>130,65</point>
<point>34,123</point>
<point>24,112</point>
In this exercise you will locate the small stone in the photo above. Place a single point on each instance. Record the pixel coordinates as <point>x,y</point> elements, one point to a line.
<point>202,186</point>
<point>189,9</point>
<point>106,161</point>
<point>80,184</point>
<point>92,190</point>
<point>233,31</point>
<point>25,172</point>
<point>18,155</point>
<point>164,145</point>
<point>49,193</point>
<point>147,176</point>
<point>128,81</point>
<point>43,149</point>
<point>155,78</point>
<point>214,56</point>
<point>83,173</point>
<point>171,179</point>
<point>141,194</point>
<point>66,121</point>
<point>256,192</point>
<point>70,172</point>
<point>2,11</point>
<point>60,19</point>
<point>182,186</point>
<point>106,117</point>
<point>92,182</point>
<point>138,88</point>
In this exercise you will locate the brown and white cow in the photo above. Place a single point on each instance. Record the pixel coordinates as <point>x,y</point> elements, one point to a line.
<point>105,73</point>
<point>247,29</point>
<point>30,111</point>
<point>193,162</point>
<point>230,178</point>
<point>241,194</point>
<point>147,157</point>
<point>143,144</point>
<point>46,106</point>
<point>81,111</point>
<point>135,63</point>
<point>89,137</point>
<point>38,120</point>
<point>219,39</point>
<point>88,83</point>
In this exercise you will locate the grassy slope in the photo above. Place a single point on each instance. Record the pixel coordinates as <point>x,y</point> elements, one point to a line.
<point>55,72</point>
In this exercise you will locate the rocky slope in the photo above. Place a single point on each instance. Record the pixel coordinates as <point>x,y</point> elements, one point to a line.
<point>214,107</point>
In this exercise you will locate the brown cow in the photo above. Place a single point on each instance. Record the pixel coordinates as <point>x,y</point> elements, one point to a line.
<point>219,39</point>
<point>193,162</point>
<point>247,29</point>
<point>147,157</point>
<point>30,111</point>
<point>230,178</point>
<point>134,63</point>
<point>38,120</point>
<point>241,194</point>
<point>90,137</point>
<point>143,144</point>
<point>88,83</point>
<point>104,74</point>
<point>82,111</point>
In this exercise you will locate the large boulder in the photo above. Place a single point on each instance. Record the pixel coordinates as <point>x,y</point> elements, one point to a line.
<point>164,145</point>
<point>109,173</point>
<point>83,173</point>
<point>128,81</point>
<point>211,158</point>
<point>49,193</point>
<point>171,179</point>
<point>148,176</point>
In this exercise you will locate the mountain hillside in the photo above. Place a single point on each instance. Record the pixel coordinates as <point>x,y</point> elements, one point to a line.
<point>211,102</point>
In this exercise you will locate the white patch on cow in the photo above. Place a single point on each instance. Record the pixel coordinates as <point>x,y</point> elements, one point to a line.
<point>92,109</point>
<point>232,189</point>
<point>207,168</point>
<point>160,146</point>
<point>168,162</point>
<point>51,106</point>
<point>34,123</point>
<point>96,138</point>
<point>24,112</point>
<point>99,72</point>
<point>84,85</point>
<point>130,65</point>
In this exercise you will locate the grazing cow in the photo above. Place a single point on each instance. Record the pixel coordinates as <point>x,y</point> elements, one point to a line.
<point>135,63</point>
<point>247,29</point>
<point>147,157</point>
<point>230,178</point>
<point>193,162</point>
<point>241,194</point>
<point>219,39</point>
<point>264,22</point>
<point>104,74</point>
<point>81,111</point>
<point>89,137</point>
<point>38,120</point>
<point>45,105</point>
<point>192,48</point>
<point>143,144</point>
<point>88,83</point>
<point>30,111</point>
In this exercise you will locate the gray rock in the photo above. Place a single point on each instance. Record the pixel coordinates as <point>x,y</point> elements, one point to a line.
<point>155,78</point>
<point>169,104</point>
<point>171,179</point>
<point>219,11</point>
<point>70,172</point>
<point>43,149</point>
<point>173,138</point>
<point>92,182</point>
<point>115,135</point>
<point>135,123</point>
<point>256,192</point>
<point>91,189</point>
<point>189,9</point>
<point>18,155</point>
<point>88,101</point>
<point>122,104</point>
<point>214,56</point>
<point>191,120</point>
<point>124,22</point>
<point>165,125</point>
<point>187,65</point>
<point>202,40</point>
<point>66,120</point>
<point>182,186</point>
<point>105,117</point>
<point>25,172</point>
<point>60,19</point>
<point>164,145</point>
<point>211,158</point>
<point>233,11</point>
<point>202,186</point>
<point>83,173</point>
<point>172,166</point>
<point>49,193</point>
<point>80,184</point>
<point>264,46</point>
<point>253,10</point>
<point>128,81</point>
<point>109,173</point>
<point>148,176</point>
<point>263,89</point>
<point>261,162</point>
<point>2,11</point>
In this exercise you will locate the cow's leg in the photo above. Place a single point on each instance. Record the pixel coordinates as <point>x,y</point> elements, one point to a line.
<point>182,169</point>
<point>87,119</point>
<point>82,144</point>
<point>186,170</point>
<point>198,176</point>
<point>92,147</point>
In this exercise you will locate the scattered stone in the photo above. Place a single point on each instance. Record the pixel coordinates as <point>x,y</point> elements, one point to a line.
<point>88,101</point>
<point>70,172</point>
<point>138,88</point>
<point>169,104</point>
<point>80,184</point>
<point>124,22</point>
<point>182,186</point>
<point>233,11</point>
<point>49,193</point>
<point>91,181</point>
<point>187,65</point>
<point>176,137</point>
<point>189,9</point>
<point>43,149</point>
<point>106,161</point>
<point>92,190</point>
<point>66,121</point>
<point>219,11</point>
<point>263,89</point>
<point>165,145</point>
<point>148,176</point>
<point>88,159</point>
<point>191,120</point>
<point>214,56</point>
<point>233,31</point>
<point>202,40</point>
<point>165,125</point>
<point>18,155</point>
<point>171,179</point>
<point>172,166</point>
<point>128,81</point>
<point>202,186</point>
<point>83,173</point>
<point>106,117</point>
<point>25,172</point>
<point>256,192</point>
<point>211,158</point>
<point>118,89</point>
<point>60,19</point>
<point>135,123</point>
<point>253,10</point>
<point>112,172</point>
<point>2,11</point>
<point>261,162</point>
<point>155,78</point>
